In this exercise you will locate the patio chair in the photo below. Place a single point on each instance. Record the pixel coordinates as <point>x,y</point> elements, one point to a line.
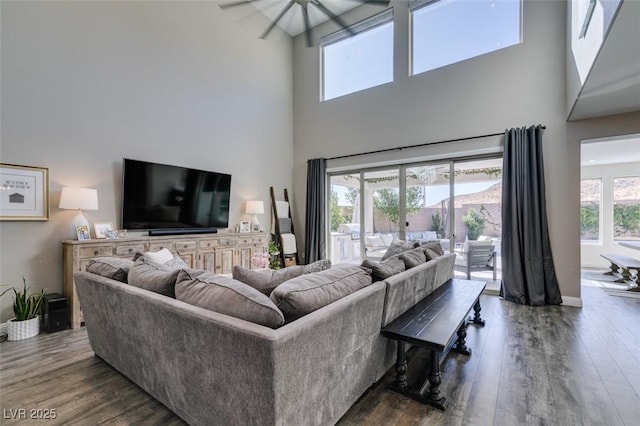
<point>479,255</point>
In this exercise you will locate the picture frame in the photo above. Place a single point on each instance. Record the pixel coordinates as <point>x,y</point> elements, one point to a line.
<point>25,193</point>
<point>102,228</point>
<point>82,231</point>
<point>245,226</point>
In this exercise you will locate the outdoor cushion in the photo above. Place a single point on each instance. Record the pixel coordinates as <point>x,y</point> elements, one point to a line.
<point>307,293</point>
<point>115,268</point>
<point>227,296</point>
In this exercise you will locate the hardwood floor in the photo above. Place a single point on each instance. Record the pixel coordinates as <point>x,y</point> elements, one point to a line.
<point>543,366</point>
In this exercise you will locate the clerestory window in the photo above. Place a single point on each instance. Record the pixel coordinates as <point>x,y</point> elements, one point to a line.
<point>444,32</point>
<point>358,58</point>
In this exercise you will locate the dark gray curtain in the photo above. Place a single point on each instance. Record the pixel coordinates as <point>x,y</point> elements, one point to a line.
<point>528,273</point>
<point>315,233</point>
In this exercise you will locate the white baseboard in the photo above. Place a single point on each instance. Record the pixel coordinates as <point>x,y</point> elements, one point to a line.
<point>574,302</point>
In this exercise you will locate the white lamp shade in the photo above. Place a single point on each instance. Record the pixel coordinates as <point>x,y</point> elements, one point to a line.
<point>254,207</point>
<point>79,199</point>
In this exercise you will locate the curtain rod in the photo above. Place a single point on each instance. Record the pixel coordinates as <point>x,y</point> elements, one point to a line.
<point>400,148</point>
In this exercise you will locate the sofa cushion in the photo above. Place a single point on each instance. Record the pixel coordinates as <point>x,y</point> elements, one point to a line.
<point>266,280</point>
<point>413,257</point>
<point>398,247</point>
<point>154,277</point>
<point>307,293</point>
<point>227,296</point>
<point>115,268</point>
<point>386,268</point>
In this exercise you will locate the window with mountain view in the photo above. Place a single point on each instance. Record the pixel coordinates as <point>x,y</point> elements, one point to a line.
<point>444,32</point>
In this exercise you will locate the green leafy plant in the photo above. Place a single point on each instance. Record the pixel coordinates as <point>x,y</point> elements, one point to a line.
<point>436,223</point>
<point>387,202</point>
<point>475,222</point>
<point>336,215</point>
<point>25,306</point>
<point>274,255</point>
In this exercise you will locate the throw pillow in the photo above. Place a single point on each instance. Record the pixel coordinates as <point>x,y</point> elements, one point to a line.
<point>151,276</point>
<point>266,280</point>
<point>398,247</point>
<point>413,257</point>
<point>317,266</point>
<point>159,257</point>
<point>386,268</point>
<point>307,293</point>
<point>227,296</point>
<point>162,257</point>
<point>115,268</point>
<point>433,249</point>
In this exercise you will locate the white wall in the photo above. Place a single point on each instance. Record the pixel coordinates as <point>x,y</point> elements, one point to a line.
<point>85,84</point>
<point>590,251</point>
<point>517,86</point>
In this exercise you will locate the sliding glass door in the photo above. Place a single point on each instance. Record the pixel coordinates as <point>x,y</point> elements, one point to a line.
<point>452,202</point>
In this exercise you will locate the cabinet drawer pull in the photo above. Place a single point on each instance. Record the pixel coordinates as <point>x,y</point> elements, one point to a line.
<point>130,251</point>
<point>95,253</point>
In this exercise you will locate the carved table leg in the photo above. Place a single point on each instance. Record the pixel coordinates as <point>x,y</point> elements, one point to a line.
<point>476,315</point>
<point>461,346</point>
<point>433,396</point>
<point>401,368</point>
<point>613,269</point>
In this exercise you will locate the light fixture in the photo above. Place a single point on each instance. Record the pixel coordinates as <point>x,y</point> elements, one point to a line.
<point>79,199</point>
<point>254,208</point>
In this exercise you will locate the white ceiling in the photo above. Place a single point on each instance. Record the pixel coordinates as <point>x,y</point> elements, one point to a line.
<point>611,151</point>
<point>613,84</point>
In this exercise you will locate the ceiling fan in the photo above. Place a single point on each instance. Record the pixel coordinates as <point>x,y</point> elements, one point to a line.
<point>305,5</point>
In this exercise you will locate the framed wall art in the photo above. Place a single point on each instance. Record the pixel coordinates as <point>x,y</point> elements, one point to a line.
<point>24,192</point>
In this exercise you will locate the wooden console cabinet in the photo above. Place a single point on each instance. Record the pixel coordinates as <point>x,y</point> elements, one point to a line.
<point>217,253</point>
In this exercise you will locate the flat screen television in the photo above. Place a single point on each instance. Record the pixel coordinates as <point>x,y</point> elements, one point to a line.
<point>171,199</point>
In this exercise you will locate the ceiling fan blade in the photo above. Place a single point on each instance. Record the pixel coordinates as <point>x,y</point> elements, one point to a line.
<point>275,21</point>
<point>335,18</point>
<point>307,25</point>
<point>236,3</point>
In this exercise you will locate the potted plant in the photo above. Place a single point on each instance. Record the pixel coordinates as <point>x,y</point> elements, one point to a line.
<point>474,221</point>
<point>27,310</point>
<point>274,255</point>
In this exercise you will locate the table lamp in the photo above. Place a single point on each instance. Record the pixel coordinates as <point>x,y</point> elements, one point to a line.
<point>254,208</point>
<point>79,199</point>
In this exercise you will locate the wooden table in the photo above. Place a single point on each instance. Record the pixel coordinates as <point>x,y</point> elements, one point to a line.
<point>436,323</point>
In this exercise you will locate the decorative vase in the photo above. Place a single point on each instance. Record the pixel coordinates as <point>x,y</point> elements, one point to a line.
<point>18,330</point>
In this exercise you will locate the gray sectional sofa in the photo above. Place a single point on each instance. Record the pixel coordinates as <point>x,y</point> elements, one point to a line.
<point>213,369</point>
